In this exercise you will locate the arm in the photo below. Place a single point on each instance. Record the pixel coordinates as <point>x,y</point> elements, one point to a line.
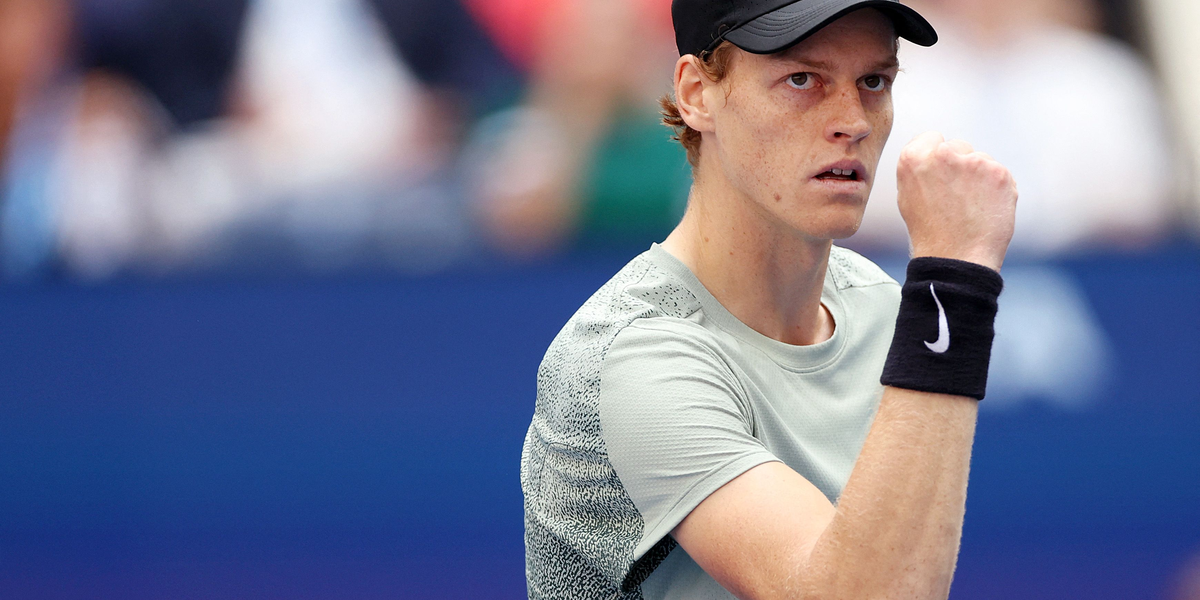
<point>771,534</point>
<point>894,534</point>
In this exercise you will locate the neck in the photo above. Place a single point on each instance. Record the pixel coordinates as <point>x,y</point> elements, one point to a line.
<point>766,274</point>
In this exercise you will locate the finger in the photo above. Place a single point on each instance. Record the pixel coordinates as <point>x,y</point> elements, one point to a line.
<point>960,146</point>
<point>925,143</point>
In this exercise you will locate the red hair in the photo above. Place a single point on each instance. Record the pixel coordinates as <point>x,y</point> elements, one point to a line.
<point>715,65</point>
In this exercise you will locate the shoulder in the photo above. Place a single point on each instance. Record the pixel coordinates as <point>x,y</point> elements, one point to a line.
<point>869,296</point>
<point>849,269</point>
<point>569,375</point>
<point>639,292</point>
<point>655,351</point>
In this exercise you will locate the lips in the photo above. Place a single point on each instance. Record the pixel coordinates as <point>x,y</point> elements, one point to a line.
<point>846,170</point>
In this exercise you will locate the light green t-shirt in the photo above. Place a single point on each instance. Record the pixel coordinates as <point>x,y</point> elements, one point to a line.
<point>653,396</point>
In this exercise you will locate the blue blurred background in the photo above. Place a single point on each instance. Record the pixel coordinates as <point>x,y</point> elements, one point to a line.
<point>276,276</point>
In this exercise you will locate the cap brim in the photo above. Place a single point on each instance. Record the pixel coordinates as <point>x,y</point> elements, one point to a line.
<point>787,26</point>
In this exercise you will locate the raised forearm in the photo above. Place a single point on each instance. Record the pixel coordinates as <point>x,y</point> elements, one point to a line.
<point>898,523</point>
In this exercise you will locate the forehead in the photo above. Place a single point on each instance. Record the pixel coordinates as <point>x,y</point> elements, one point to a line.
<point>862,36</point>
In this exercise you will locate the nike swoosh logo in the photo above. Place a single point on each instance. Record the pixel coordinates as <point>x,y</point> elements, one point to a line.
<point>943,342</point>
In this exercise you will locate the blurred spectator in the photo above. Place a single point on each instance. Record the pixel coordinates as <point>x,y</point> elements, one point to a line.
<point>324,134</point>
<point>32,40</point>
<point>1074,114</point>
<point>585,155</point>
<point>145,70</point>
<point>446,48</point>
<point>1173,25</point>
<point>181,52</point>
<point>220,134</point>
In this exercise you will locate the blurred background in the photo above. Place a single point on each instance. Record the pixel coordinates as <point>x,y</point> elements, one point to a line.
<point>276,276</point>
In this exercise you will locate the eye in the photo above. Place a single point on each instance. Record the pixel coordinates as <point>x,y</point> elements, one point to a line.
<point>802,81</point>
<point>875,83</point>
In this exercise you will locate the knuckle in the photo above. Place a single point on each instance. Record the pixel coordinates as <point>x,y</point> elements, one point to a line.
<point>911,160</point>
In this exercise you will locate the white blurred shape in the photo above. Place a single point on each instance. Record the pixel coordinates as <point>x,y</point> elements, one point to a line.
<point>1173,26</point>
<point>332,100</point>
<point>1049,345</point>
<point>195,183</point>
<point>98,218</point>
<point>330,238</point>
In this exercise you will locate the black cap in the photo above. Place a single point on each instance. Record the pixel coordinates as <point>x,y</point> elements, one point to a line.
<point>767,26</point>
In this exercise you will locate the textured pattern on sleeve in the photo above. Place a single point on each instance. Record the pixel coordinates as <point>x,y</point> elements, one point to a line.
<point>581,527</point>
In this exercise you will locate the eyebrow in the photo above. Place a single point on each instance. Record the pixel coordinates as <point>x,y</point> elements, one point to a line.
<point>889,63</point>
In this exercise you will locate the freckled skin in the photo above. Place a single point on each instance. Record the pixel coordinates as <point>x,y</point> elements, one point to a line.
<point>770,138</point>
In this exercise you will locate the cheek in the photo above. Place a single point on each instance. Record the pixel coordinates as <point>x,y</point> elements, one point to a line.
<point>882,124</point>
<point>782,156</point>
<point>782,143</point>
<point>749,133</point>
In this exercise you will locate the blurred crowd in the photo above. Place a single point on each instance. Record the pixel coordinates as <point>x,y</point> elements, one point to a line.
<point>152,136</point>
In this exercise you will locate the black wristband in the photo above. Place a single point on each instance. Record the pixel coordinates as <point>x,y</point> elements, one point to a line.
<point>943,341</point>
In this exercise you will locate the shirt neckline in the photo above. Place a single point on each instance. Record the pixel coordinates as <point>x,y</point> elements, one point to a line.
<point>795,358</point>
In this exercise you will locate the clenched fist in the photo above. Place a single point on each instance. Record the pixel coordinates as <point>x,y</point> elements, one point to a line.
<point>957,203</point>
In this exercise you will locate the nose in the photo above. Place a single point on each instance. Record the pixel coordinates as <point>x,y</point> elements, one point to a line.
<point>848,118</point>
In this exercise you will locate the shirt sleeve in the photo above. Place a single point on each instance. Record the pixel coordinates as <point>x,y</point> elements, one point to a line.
<point>675,422</point>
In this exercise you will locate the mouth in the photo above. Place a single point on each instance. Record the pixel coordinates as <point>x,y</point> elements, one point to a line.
<point>848,170</point>
<point>842,175</point>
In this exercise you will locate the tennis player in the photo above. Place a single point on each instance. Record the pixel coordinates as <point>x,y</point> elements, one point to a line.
<point>746,410</point>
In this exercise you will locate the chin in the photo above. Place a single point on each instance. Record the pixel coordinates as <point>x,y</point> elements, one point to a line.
<point>830,232</point>
<point>837,223</point>
<point>836,234</point>
<point>844,234</point>
<point>819,216</point>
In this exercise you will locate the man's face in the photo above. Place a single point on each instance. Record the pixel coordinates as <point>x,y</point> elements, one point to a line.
<point>799,133</point>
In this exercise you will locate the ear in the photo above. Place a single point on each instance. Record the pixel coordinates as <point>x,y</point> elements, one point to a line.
<point>690,85</point>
